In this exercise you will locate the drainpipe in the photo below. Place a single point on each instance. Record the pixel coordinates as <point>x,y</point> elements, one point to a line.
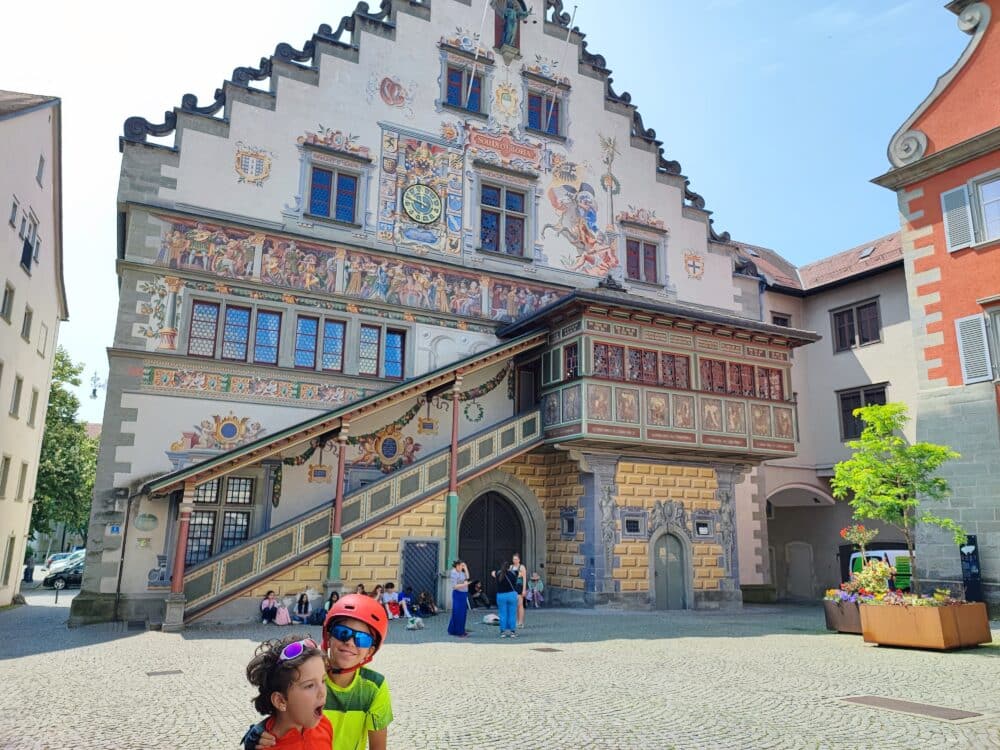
<point>451,503</point>
<point>121,557</point>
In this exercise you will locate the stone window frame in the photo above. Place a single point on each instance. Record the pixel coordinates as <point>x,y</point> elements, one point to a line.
<point>567,523</point>
<point>533,84</point>
<point>313,155</point>
<point>483,67</point>
<point>640,517</point>
<point>525,182</point>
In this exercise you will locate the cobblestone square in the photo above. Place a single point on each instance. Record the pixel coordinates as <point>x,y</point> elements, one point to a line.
<point>765,677</point>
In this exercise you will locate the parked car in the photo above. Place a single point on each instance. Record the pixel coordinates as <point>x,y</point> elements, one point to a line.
<point>55,557</point>
<point>71,559</point>
<point>71,576</point>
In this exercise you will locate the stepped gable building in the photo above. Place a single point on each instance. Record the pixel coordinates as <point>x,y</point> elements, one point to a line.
<point>427,288</point>
<point>32,305</point>
<point>946,173</point>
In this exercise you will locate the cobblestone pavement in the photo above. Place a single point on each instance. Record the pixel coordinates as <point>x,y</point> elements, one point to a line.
<point>766,677</point>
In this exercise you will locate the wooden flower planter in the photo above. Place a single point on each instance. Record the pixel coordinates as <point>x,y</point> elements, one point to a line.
<point>843,617</point>
<point>939,628</point>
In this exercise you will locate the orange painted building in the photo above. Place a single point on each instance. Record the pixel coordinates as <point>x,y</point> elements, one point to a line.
<point>946,173</point>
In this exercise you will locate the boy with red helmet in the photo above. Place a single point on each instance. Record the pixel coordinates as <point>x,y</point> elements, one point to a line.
<point>358,703</point>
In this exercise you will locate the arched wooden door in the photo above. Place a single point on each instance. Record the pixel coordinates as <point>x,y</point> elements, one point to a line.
<point>491,531</point>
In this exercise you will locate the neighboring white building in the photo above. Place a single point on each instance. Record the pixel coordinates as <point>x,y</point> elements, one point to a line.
<point>32,304</point>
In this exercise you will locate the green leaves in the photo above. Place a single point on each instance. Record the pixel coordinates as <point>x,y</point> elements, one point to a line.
<point>887,478</point>
<point>68,461</point>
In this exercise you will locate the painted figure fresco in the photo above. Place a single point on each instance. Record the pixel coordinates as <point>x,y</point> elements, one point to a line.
<point>684,412</point>
<point>299,265</point>
<point>195,246</point>
<point>736,417</point>
<point>575,202</point>
<point>571,403</point>
<point>599,402</point>
<point>550,408</point>
<point>783,423</point>
<point>627,405</point>
<point>760,418</point>
<point>711,414</point>
<point>656,409</point>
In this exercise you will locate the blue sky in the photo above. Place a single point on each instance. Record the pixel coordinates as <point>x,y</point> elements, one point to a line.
<point>779,111</point>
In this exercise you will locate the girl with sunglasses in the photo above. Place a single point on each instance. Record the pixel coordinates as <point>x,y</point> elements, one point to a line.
<point>289,677</point>
<point>358,703</point>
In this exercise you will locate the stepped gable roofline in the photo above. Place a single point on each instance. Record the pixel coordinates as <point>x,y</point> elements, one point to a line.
<point>676,310</point>
<point>871,257</point>
<point>324,425</point>
<point>137,128</point>
<point>909,145</point>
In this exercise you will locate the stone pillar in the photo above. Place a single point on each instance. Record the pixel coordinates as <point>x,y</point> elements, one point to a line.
<point>727,477</point>
<point>600,526</point>
<point>333,580</point>
<point>341,281</point>
<point>451,503</point>
<point>173,619</point>
<point>168,334</point>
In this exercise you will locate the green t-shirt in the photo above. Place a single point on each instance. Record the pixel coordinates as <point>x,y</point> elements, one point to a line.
<point>363,706</point>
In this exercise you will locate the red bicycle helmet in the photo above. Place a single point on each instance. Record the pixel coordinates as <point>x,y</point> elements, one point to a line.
<point>358,607</point>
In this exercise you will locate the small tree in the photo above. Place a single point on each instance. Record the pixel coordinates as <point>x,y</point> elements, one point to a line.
<point>887,478</point>
<point>68,461</point>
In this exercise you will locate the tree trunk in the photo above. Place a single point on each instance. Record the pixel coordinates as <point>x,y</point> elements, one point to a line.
<point>914,583</point>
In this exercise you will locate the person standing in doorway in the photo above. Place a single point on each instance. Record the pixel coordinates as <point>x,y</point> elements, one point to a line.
<point>459,598</point>
<point>522,587</point>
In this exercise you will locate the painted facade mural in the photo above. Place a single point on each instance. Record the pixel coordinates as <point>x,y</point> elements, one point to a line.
<point>197,246</point>
<point>393,93</point>
<point>207,383</point>
<point>575,203</point>
<point>222,433</point>
<point>316,267</point>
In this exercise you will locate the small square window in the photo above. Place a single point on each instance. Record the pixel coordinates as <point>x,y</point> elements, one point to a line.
<point>702,528</point>
<point>779,319</point>
<point>567,524</point>
<point>634,524</point>
<point>207,492</point>
<point>631,525</point>
<point>14,207</point>
<point>239,491</point>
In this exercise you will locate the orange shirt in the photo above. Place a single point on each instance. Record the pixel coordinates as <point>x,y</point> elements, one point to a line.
<point>320,737</point>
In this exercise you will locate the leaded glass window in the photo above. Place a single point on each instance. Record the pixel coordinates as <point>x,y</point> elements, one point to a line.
<point>502,220</point>
<point>207,492</point>
<point>239,491</point>
<point>201,535</point>
<point>306,336</point>
<point>394,354</point>
<point>333,194</point>
<point>204,324</point>
<point>236,333</point>
<point>235,529</point>
<point>368,350</point>
<point>333,345</point>
<point>543,113</point>
<point>266,337</point>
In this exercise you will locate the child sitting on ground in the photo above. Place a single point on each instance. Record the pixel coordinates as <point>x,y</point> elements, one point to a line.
<point>425,605</point>
<point>394,604</point>
<point>288,674</point>
<point>358,703</point>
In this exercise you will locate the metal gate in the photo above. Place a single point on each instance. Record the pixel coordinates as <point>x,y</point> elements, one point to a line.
<point>491,532</point>
<point>421,567</point>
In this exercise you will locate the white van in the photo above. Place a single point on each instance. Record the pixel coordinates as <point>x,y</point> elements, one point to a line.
<point>897,558</point>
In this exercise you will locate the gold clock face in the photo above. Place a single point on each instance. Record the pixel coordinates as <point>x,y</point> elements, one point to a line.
<point>422,204</point>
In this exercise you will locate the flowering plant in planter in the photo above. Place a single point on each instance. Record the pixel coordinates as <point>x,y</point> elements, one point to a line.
<point>859,535</point>
<point>940,598</point>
